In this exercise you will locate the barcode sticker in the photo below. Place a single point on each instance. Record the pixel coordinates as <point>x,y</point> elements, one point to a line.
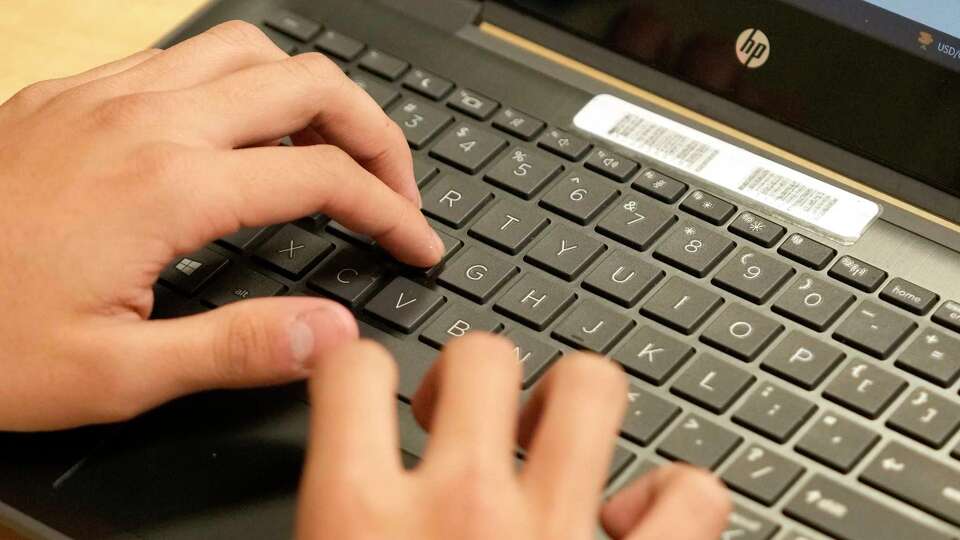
<point>798,197</point>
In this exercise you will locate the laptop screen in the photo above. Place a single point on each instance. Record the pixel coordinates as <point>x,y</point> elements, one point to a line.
<point>880,78</point>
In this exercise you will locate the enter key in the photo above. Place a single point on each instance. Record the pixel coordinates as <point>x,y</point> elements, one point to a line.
<point>916,479</point>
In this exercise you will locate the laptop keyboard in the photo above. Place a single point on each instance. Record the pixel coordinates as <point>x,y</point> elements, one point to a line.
<point>562,244</point>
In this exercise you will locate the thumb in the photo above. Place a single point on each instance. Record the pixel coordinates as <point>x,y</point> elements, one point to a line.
<point>251,343</point>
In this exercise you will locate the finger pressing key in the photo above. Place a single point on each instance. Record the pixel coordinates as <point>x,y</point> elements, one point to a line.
<point>261,186</point>
<point>272,100</point>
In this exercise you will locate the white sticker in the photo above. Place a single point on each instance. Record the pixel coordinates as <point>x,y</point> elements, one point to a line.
<point>799,197</point>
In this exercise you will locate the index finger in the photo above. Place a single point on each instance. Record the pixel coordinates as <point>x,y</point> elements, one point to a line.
<point>271,100</point>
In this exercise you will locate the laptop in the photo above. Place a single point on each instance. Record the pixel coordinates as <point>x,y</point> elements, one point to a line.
<point>752,205</point>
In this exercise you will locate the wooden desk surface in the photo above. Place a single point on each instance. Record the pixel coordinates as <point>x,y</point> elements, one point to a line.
<point>44,39</point>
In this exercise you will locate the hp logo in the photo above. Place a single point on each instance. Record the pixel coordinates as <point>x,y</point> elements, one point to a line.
<point>753,48</point>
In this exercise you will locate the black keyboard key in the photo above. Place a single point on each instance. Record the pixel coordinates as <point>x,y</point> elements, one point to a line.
<point>413,357</point>
<point>349,276</point>
<point>623,278</point>
<point>592,326</point>
<point>405,305</point>
<point>468,148</point>
<point>908,296</point>
<point>807,252</point>
<point>293,25</point>
<point>681,305</point>
<point>580,196</point>
<point>382,93</point>
<point>387,66</point>
<point>243,239</point>
<point>699,442</point>
<point>660,186</point>
<point>237,283</point>
<point>510,226</point>
<point>652,355</point>
<point>694,248</point>
<point>451,246</point>
<point>535,301</point>
<point>707,207</point>
<point>933,355</point>
<point>420,123</point>
<point>348,235</point>
<point>926,417</point>
<point>837,442</point>
<point>916,479</point>
<point>611,165</point>
<point>813,302</point>
<point>802,360</point>
<point>534,354</point>
<point>636,222</point>
<point>423,170</point>
<point>864,388</point>
<point>622,458</point>
<point>848,514</point>
<point>427,84</point>
<point>774,412</point>
<point>170,305</point>
<point>857,273</point>
<point>712,383</point>
<point>523,172</point>
<point>874,329</point>
<point>746,525</point>
<point>283,42</point>
<point>518,124</point>
<point>454,199</point>
<point>753,275</point>
<point>473,104</point>
<point>948,315</point>
<point>564,252</point>
<point>456,321</point>
<point>293,251</point>
<point>477,274</point>
<point>564,144</point>
<point>339,45</point>
<point>761,474</point>
<point>757,229</point>
<point>741,332</point>
<point>187,274</point>
<point>647,416</point>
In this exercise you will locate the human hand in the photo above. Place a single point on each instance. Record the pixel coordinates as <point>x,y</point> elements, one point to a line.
<point>108,175</point>
<point>467,486</point>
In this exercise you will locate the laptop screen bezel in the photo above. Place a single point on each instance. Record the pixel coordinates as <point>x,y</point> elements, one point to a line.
<point>910,122</point>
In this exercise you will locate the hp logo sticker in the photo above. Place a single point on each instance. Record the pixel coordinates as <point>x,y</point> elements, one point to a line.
<point>753,48</point>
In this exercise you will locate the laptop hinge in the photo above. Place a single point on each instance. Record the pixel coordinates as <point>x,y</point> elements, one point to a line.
<point>448,15</point>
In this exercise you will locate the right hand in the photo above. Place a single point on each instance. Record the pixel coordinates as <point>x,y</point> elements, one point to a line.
<point>106,176</point>
<point>467,486</point>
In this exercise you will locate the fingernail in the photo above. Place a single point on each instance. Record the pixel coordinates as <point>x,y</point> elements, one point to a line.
<point>322,327</point>
<point>438,244</point>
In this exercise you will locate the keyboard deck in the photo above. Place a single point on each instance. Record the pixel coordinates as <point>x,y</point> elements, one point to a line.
<point>754,350</point>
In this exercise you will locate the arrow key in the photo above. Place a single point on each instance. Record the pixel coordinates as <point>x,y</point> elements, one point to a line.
<point>647,416</point>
